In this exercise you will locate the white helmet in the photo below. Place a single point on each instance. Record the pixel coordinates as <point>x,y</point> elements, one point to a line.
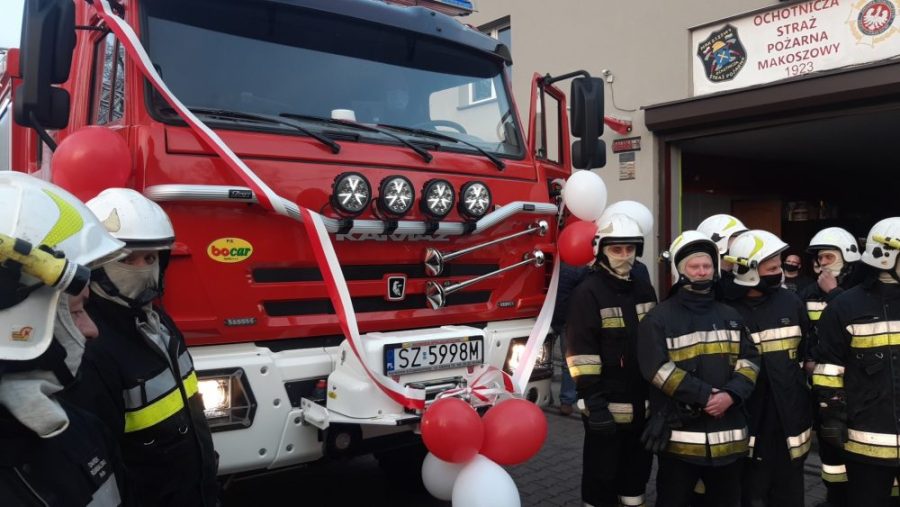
<point>687,243</point>
<point>40,213</point>
<point>882,244</point>
<point>749,250</point>
<point>835,238</point>
<point>720,228</point>
<point>632,209</point>
<point>617,230</point>
<point>129,216</point>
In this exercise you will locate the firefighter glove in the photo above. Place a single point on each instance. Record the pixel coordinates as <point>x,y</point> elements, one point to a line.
<point>599,418</point>
<point>657,432</point>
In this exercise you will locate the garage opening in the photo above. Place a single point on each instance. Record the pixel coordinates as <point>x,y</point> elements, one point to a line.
<point>797,178</point>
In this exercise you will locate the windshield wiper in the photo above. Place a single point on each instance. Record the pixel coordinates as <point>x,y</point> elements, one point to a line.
<point>437,135</point>
<point>240,115</point>
<point>360,126</point>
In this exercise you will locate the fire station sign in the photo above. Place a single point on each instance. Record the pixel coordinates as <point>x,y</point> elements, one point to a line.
<point>792,40</point>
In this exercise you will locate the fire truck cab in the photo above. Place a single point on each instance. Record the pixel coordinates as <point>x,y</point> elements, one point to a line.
<point>395,123</point>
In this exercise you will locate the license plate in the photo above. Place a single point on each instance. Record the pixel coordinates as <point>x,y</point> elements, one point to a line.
<point>402,358</point>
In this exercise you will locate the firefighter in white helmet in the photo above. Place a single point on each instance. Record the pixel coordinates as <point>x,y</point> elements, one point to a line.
<point>722,229</point>
<point>601,341</point>
<point>53,453</point>
<point>858,371</point>
<point>696,353</point>
<point>780,408</point>
<point>836,258</point>
<point>138,375</point>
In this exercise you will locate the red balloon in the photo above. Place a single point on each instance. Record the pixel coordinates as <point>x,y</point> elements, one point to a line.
<point>91,160</point>
<point>576,243</point>
<point>452,430</point>
<point>514,431</point>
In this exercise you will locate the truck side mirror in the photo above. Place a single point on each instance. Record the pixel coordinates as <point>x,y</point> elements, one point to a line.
<point>48,39</point>
<point>587,123</point>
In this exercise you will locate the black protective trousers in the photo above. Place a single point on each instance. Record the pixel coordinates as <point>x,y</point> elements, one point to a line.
<point>676,479</point>
<point>771,478</point>
<point>870,485</point>
<point>615,468</point>
<point>835,482</point>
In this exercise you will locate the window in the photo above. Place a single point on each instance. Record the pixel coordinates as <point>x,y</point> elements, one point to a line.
<point>484,91</point>
<point>108,105</point>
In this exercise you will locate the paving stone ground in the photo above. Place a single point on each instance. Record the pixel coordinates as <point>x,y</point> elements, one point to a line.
<point>551,478</point>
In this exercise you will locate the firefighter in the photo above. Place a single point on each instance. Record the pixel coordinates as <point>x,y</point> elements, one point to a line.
<point>858,371</point>
<point>780,408</point>
<point>723,229</point>
<point>836,259</point>
<point>138,375</point>
<point>697,354</point>
<point>601,339</point>
<point>53,453</point>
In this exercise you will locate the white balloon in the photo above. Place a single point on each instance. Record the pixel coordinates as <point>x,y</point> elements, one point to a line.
<point>438,476</point>
<point>483,483</point>
<point>585,195</point>
<point>634,210</point>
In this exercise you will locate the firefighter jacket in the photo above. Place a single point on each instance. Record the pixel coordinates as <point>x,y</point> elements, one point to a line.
<point>859,360</point>
<point>778,327</point>
<point>601,342</point>
<point>79,466</point>
<point>148,396</point>
<point>687,346</point>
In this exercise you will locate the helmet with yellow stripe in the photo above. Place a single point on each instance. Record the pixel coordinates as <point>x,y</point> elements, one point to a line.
<point>687,244</point>
<point>751,249</point>
<point>721,228</point>
<point>883,244</point>
<point>48,242</point>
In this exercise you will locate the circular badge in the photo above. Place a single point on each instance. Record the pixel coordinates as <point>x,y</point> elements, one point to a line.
<point>876,17</point>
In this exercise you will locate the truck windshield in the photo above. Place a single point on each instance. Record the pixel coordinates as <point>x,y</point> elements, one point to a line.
<point>274,58</point>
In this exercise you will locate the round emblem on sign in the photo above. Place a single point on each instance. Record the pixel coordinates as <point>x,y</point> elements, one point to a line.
<point>876,17</point>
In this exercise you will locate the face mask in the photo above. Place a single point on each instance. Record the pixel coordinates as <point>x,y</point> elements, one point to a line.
<point>835,267</point>
<point>67,334</point>
<point>619,265</point>
<point>790,268</point>
<point>132,281</point>
<point>768,283</point>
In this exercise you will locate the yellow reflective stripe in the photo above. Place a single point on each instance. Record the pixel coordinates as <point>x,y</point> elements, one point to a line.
<point>585,369</point>
<point>828,375</point>
<point>687,449</point>
<point>814,315</point>
<point>722,450</point>
<point>867,342</point>
<point>704,349</point>
<point>872,451</point>
<point>875,445</point>
<point>787,344</point>
<point>66,226</point>
<point>584,364</point>
<point>827,381</point>
<point>613,322</point>
<point>161,409</point>
<point>606,313</point>
<point>834,473</point>
<point>623,413</point>
<point>778,333</point>
<point>746,368</point>
<point>799,445</point>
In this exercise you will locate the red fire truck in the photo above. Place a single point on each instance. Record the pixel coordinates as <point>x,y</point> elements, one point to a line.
<point>395,123</point>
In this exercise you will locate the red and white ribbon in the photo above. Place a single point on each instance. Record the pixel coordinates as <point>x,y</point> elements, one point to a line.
<point>483,383</point>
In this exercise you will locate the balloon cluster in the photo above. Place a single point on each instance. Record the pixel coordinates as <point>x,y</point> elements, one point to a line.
<point>466,450</point>
<point>585,196</point>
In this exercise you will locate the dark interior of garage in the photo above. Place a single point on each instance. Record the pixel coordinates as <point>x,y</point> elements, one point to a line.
<point>795,179</point>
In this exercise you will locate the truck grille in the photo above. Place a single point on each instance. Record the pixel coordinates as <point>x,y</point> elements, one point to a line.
<point>367,272</point>
<point>367,304</point>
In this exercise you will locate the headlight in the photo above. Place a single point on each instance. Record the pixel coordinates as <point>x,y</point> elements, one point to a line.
<point>396,195</point>
<point>517,349</point>
<point>437,198</point>
<point>227,399</point>
<point>475,199</point>
<point>352,193</point>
